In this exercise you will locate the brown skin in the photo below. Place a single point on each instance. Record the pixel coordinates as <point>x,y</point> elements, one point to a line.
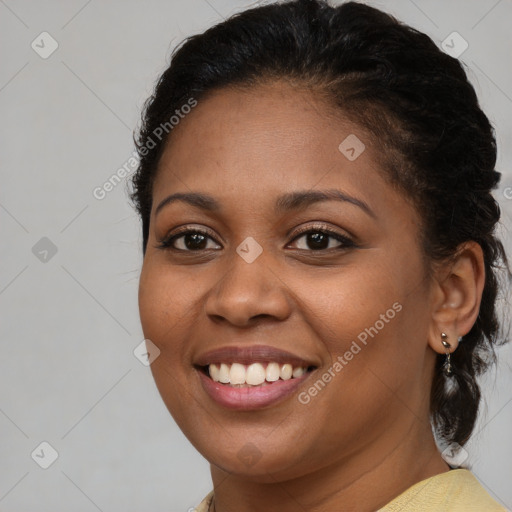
<point>366,437</point>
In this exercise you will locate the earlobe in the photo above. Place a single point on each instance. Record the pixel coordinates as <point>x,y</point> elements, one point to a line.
<point>457,296</point>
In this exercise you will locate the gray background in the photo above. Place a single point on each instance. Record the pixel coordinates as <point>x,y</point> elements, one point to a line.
<point>70,322</point>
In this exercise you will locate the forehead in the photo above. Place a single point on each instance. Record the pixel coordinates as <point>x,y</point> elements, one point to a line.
<point>247,147</point>
<point>262,135</point>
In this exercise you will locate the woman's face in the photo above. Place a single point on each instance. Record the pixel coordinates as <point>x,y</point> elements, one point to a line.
<point>249,292</point>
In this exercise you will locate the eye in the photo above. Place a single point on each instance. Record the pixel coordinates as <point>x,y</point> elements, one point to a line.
<point>188,240</point>
<point>321,238</point>
<point>315,238</point>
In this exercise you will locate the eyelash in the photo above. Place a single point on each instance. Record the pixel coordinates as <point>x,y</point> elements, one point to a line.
<point>167,243</point>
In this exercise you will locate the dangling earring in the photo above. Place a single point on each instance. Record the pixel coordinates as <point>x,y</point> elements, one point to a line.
<point>447,367</point>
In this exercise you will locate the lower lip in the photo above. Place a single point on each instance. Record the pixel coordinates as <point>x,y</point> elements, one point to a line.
<point>250,398</point>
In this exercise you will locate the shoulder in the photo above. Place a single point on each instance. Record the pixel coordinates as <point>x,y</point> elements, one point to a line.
<point>457,490</point>
<point>205,504</point>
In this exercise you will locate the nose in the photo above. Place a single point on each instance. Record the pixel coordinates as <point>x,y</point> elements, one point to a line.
<point>248,291</point>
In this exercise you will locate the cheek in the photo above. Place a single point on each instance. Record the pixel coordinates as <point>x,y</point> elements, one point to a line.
<point>165,304</point>
<point>347,306</point>
<point>370,322</point>
<point>166,317</point>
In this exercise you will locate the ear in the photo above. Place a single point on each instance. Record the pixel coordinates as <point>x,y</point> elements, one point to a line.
<point>456,296</point>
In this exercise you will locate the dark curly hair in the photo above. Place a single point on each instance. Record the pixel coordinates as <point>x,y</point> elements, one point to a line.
<point>416,101</point>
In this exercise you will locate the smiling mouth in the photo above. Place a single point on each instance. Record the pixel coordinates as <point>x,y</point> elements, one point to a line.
<point>257,374</point>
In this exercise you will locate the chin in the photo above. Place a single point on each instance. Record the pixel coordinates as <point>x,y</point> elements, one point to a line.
<point>244,459</point>
<point>269,468</point>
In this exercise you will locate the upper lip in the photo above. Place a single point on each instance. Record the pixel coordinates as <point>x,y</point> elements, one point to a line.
<point>251,354</point>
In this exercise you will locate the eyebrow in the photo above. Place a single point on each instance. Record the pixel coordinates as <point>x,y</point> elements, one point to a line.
<point>298,200</point>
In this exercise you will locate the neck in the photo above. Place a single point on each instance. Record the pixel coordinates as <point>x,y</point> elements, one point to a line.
<point>363,483</point>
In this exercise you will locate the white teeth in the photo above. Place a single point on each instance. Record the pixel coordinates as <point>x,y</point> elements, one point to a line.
<point>224,373</point>
<point>215,372</point>
<point>254,374</point>
<point>237,374</point>
<point>298,372</point>
<point>273,372</point>
<point>286,371</point>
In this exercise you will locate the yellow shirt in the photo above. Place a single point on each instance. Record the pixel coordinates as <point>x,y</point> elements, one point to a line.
<point>456,490</point>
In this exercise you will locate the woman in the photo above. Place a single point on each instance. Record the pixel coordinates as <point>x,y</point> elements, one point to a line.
<point>319,268</point>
